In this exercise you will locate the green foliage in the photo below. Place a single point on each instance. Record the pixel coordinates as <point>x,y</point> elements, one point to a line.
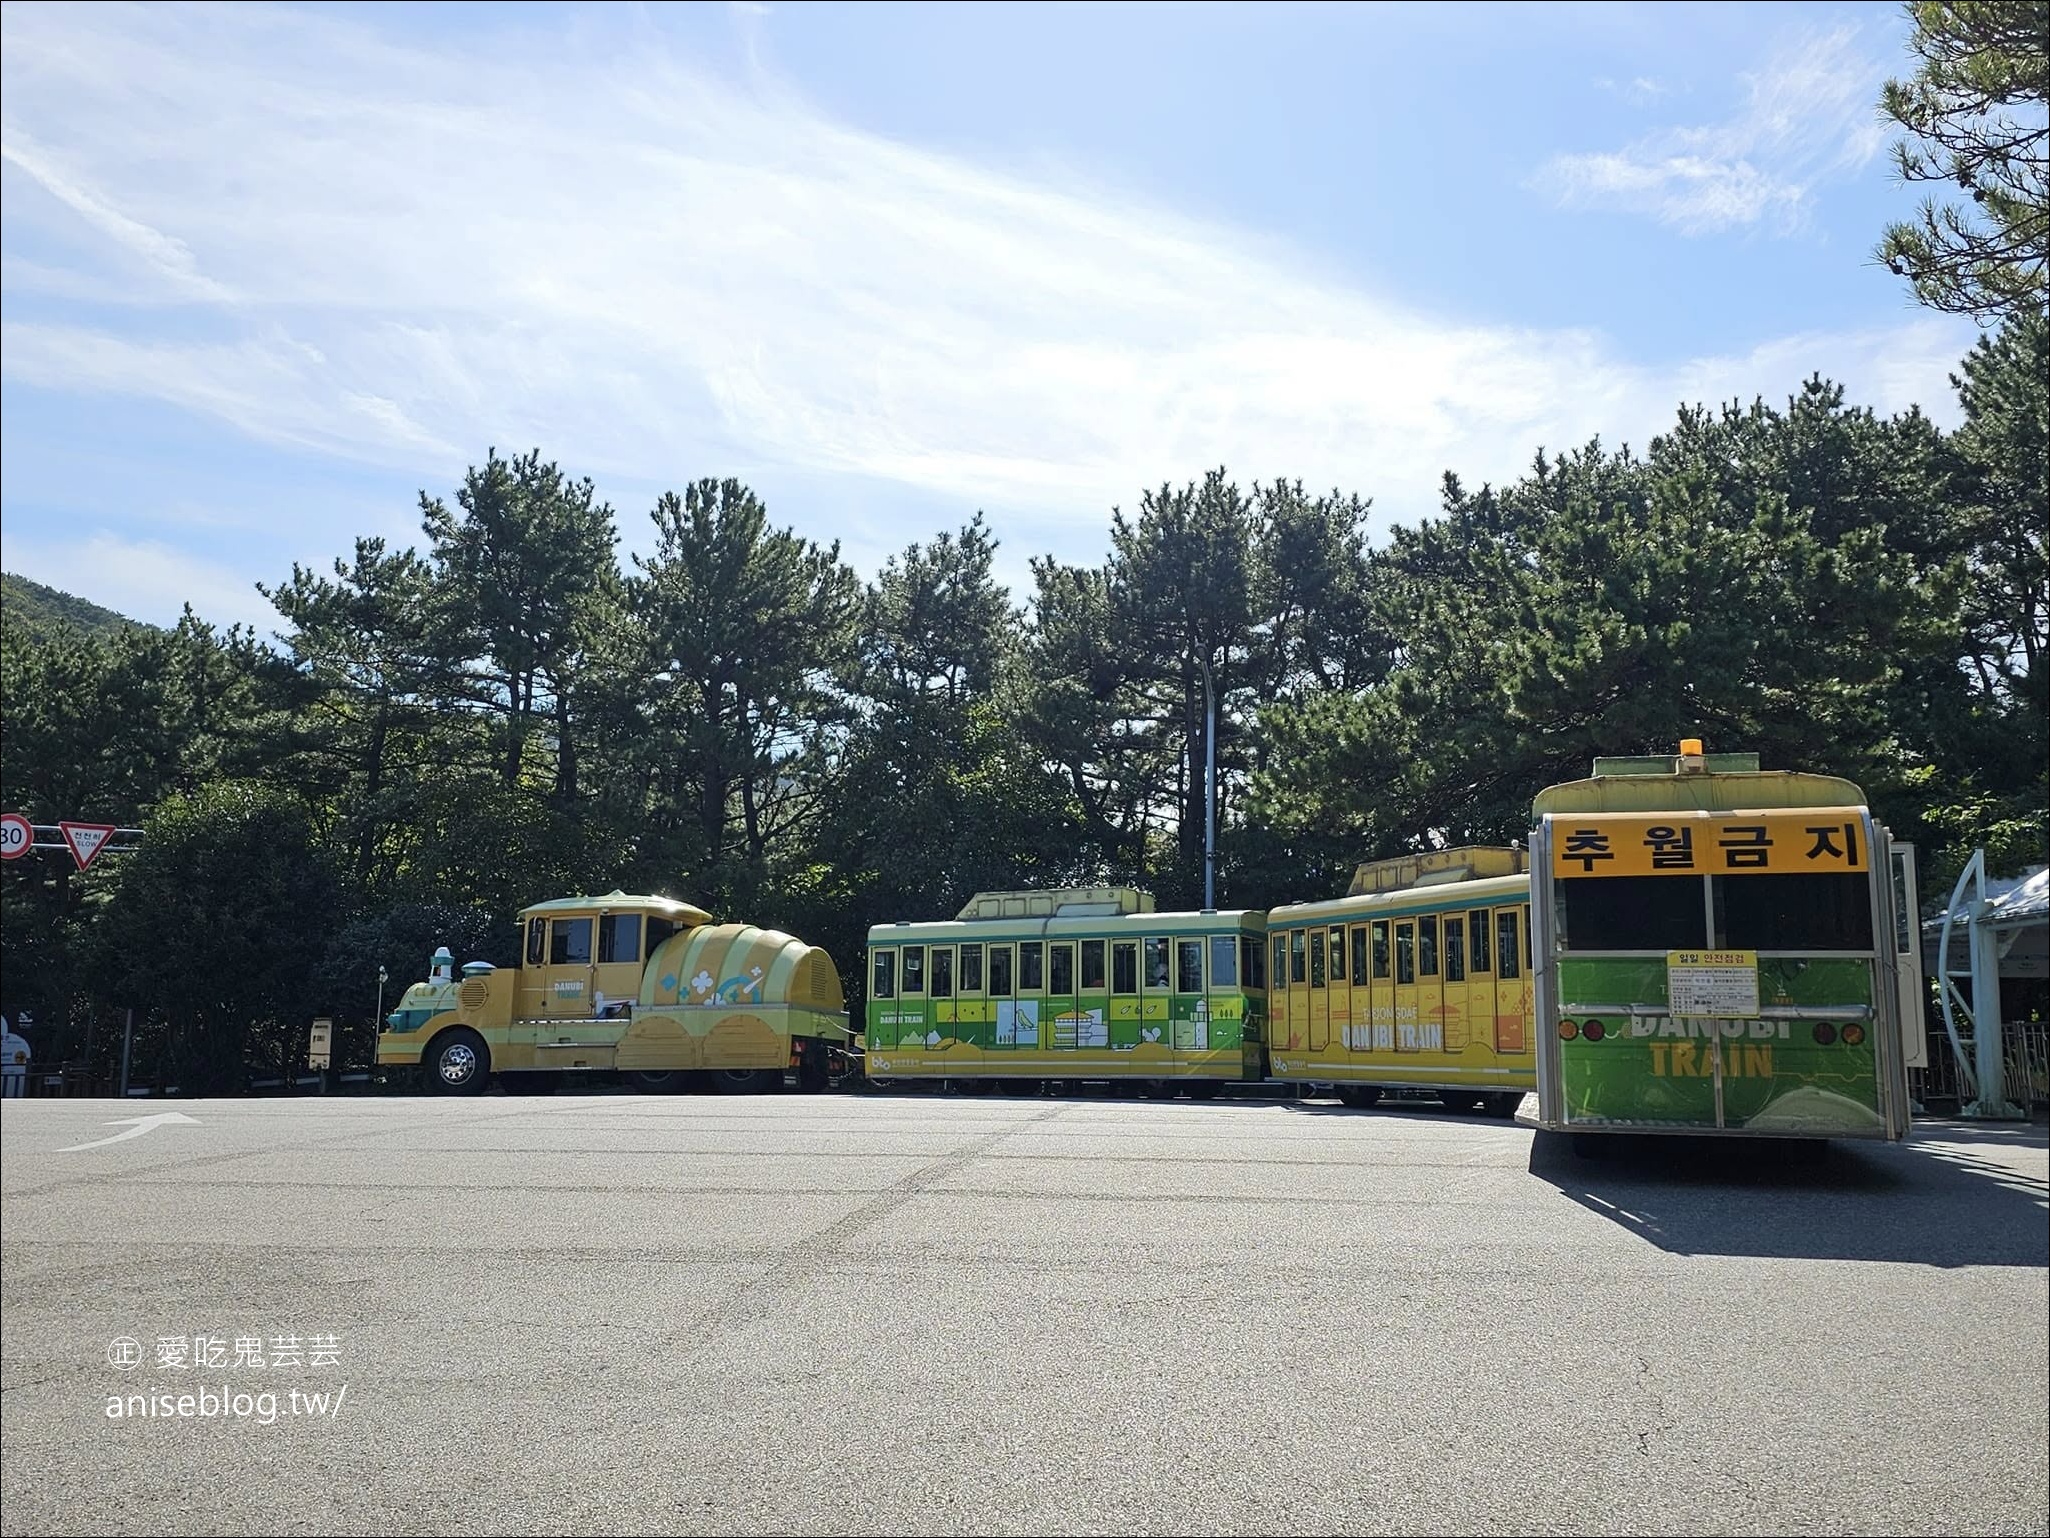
<point>215,927</point>
<point>38,610</point>
<point>1977,115</point>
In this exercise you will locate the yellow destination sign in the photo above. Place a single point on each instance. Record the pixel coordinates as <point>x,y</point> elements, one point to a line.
<point>1776,843</point>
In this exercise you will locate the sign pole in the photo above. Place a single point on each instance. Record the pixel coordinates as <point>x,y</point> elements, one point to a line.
<point>127,1037</point>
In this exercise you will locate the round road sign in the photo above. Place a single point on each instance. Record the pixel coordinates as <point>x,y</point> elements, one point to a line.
<point>17,835</point>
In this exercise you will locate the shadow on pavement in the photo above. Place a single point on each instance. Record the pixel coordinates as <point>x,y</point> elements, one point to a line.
<point>1937,1199</point>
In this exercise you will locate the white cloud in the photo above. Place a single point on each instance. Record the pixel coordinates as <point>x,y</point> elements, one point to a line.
<point>400,256</point>
<point>1807,115</point>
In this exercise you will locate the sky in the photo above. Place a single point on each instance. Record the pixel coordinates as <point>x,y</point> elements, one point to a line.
<point>269,273</point>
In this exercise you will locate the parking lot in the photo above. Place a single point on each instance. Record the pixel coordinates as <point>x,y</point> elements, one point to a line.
<point>877,1313</point>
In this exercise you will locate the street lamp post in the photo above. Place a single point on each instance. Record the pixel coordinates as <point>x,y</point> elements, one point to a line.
<point>377,1022</point>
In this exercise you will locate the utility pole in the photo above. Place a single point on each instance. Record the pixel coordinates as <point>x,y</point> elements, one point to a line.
<point>1209,792</point>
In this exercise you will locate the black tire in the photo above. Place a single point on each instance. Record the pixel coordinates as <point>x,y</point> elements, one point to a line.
<point>658,1081</point>
<point>748,1081</point>
<point>1360,1097</point>
<point>1503,1103</point>
<point>1162,1089</point>
<point>814,1073</point>
<point>1464,1101</point>
<point>457,1063</point>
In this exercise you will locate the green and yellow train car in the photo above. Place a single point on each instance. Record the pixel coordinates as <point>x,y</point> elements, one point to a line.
<point>1418,979</point>
<point>1090,983</point>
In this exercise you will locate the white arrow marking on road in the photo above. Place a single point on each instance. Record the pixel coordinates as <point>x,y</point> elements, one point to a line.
<point>137,1126</point>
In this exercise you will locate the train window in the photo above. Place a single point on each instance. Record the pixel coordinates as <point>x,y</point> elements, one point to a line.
<point>1124,967</point>
<point>1477,941</point>
<point>1380,949</point>
<point>569,943</point>
<point>1405,953</point>
<point>619,937</point>
<point>1298,953</point>
<point>1224,961</point>
<point>1797,911</point>
<point>1032,966</point>
<point>1359,955</point>
<point>1156,963</point>
<point>1632,913</point>
<point>1000,971</point>
<point>914,969</point>
<point>1092,966</point>
<point>971,969</point>
<point>1337,955</point>
<point>1253,958</point>
<point>660,930</point>
<point>537,939</point>
<point>1508,961</point>
<point>1427,946</point>
<point>1188,966</point>
<point>1280,966</point>
<point>942,972</point>
<point>885,984</point>
<point>1316,958</point>
<point>1060,969</point>
<point>1455,949</point>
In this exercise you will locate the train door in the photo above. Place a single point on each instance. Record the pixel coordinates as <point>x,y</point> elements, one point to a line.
<point>1320,994</point>
<point>1383,987</point>
<point>1003,1005</point>
<point>1032,1030</point>
<point>1453,960</point>
<point>566,1032</point>
<point>1362,1037</point>
<point>1430,992</point>
<point>971,1006</point>
<point>1512,981</point>
<point>1480,977</point>
<point>616,973</point>
<point>1125,1021</point>
<point>1060,994</point>
<point>1191,1007</point>
<point>1405,986</point>
<point>1298,990</point>
<point>939,987</point>
<point>1340,990</point>
<point>1275,949</point>
<point>1092,995</point>
<point>1155,1000</point>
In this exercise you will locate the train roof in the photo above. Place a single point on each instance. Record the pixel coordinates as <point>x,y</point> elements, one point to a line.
<point>1433,898</point>
<point>686,914</point>
<point>1088,926</point>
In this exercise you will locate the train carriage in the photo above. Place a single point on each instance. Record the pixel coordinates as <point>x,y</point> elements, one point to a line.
<point>1023,988</point>
<point>1417,980</point>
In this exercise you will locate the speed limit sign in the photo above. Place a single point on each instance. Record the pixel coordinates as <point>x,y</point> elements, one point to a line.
<point>17,835</point>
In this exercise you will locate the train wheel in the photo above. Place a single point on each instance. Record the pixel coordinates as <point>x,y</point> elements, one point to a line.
<point>657,1081</point>
<point>1504,1103</point>
<point>814,1072</point>
<point>1162,1089</point>
<point>1464,1101</point>
<point>459,1064</point>
<point>1360,1096</point>
<point>1205,1089</point>
<point>1024,1089</point>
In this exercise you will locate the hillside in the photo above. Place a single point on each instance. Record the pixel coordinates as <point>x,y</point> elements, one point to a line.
<point>39,608</point>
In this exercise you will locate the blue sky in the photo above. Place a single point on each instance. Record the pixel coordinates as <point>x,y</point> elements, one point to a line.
<point>267,273</point>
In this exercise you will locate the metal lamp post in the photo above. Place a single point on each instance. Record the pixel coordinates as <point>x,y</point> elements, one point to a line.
<point>1209,793</point>
<point>377,1022</point>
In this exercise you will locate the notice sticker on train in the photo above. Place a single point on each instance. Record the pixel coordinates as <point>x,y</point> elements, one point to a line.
<point>1718,985</point>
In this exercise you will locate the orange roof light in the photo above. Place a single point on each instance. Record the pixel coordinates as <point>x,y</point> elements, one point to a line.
<point>1690,747</point>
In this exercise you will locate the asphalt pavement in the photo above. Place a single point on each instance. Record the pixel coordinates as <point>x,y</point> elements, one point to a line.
<point>866,1313</point>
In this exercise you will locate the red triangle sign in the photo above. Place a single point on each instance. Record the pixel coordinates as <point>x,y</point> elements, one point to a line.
<point>86,839</point>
